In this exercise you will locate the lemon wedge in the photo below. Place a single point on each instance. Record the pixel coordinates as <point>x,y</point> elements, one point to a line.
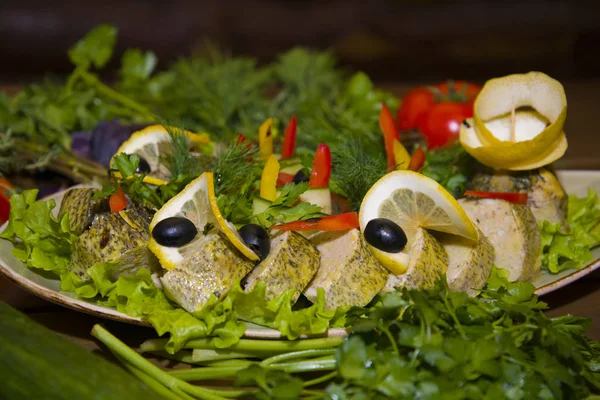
<point>196,202</point>
<point>413,201</point>
<point>152,144</point>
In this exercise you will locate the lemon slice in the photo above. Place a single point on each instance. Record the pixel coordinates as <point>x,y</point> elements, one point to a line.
<point>512,155</point>
<point>196,202</point>
<point>413,201</point>
<point>153,144</point>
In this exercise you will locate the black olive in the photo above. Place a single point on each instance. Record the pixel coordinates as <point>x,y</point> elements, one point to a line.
<point>257,238</point>
<point>143,167</point>
<point>385,235</point>
<point>300,177</point>
<point>174,232</point>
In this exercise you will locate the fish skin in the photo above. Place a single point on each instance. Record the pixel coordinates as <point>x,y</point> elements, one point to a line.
<point>211,266</point>
<point>111,238</point>
<point>82,208</point>
<point>428,263</point>
<point>291,264</point>
<point>352,281</point>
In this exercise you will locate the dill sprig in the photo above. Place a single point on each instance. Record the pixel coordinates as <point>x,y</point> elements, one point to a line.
<point>355,170</point>
<point>235,166</point>
<point>179,158</point>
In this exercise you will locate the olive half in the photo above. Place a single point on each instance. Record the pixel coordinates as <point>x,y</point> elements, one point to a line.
<point>257,238</point>
<point>300,177</point>
<point>174,232</point>
<point>143,167</point>
<point>385,235</point>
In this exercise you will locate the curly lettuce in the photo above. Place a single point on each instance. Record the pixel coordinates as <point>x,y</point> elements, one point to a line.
<point>566,249</point>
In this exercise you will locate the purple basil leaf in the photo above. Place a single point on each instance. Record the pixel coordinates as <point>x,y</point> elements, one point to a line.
<point>107,136</point>
<point>81,143</point>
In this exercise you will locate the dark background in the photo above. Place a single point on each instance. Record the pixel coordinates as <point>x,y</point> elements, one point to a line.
<point>392,40</point>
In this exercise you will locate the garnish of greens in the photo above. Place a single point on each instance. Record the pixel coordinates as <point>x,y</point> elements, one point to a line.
<point>213,93</point>
<point>409,344</point>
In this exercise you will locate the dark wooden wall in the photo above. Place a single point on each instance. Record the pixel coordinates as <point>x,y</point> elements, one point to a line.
<point>401,40</point>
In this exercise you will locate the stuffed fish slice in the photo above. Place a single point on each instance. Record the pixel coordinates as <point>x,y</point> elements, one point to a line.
<point>545,195</point>
<point>120,238</point>
<point>427,263</point>
<point>291,264</point>
<point>512,230</point>
<point>210,266</point>
<point>349,273</point>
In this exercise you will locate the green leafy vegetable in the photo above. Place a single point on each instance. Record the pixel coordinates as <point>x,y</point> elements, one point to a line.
<point>41,240</point>
<point>441,344</point>
<point>95,48</point>
<point>570,248</point>
<point>451,167</point>
<point>354,170</point>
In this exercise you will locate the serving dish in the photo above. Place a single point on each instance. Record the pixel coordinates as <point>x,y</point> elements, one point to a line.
<point>46,286</point>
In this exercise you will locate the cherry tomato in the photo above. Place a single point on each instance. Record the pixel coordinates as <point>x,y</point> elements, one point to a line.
<point>441,124</point>
<point>414,106</point>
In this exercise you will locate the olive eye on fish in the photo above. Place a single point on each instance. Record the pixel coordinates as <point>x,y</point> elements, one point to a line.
<point>143,166</point>
<point>385,235</point>
<point>300,177</point>
<point>257,238</point>
<point>174,232</point>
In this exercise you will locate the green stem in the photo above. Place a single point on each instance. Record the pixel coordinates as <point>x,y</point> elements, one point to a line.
<point>136,360</point>
<point>181,356</point>
<point>296,355</point>
<point>321,379</point>
<point>151,383</point>
<point>305,366</point>
<point>201,355</point>
<point>229,363</point>
<point>116,96</point>
<point>204,373</point>
<point>275,346</point>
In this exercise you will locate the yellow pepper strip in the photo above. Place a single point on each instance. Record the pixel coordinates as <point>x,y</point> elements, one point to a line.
<point>401,155</point>
<point>265,139</point>
<point>268,180</point>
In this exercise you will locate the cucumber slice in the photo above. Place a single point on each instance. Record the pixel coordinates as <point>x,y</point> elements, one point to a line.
<point>320,197</point>
<point>292,169</point>
<point>259,205</point>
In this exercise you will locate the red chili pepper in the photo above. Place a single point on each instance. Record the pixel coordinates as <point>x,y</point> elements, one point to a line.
<point>417,160</point>
<point>321,169</point>
<point>513,197</point>
<point>289,139</point>
<point>390,133</point>
<point>340,222</point>
<point>284,179</point>
<point>117,201</point>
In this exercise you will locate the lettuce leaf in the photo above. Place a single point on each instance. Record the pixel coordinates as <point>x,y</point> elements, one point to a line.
<point>570,248</point>
<point>43,241</point>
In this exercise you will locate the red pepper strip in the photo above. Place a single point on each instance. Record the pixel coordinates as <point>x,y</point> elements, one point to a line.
<point>240,138</point>
<point>390,133</point>
<point>117,201</point>
<point>283,179</point>
<point>513,197</point>
<point>6,189</point>
<point>289,139</point>
<point>340,222</point>
<point>321,169</point>
<point>339,204</point>
<point>417,160</point>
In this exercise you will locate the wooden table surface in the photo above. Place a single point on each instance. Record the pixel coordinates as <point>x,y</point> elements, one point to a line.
<point>581,298</point>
